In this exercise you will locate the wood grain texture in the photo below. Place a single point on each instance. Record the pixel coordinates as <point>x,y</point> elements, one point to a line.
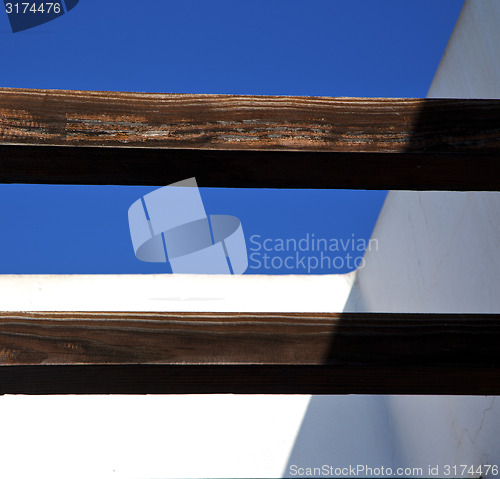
<point>59,117</point>
<point>331,345</point>
<point>72,137</point>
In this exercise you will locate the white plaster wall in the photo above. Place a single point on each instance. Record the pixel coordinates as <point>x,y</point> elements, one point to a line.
<point>437,252</point>
<point>166,292</point>
<point>153,437</point>
<point>398,432</point>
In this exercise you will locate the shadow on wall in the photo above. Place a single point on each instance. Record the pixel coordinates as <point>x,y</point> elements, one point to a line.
<point>345,432</point>
<point>413,436</point>
<point>415,432</point>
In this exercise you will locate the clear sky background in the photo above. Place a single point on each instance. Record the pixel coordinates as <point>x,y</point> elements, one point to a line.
<point>383,48</point>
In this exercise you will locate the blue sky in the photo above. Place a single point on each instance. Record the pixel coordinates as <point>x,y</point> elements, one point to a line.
<point>383,48</point>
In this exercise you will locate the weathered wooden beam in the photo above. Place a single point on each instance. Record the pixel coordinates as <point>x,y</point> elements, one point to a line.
<point>258,352</point>
<point>244,141</point>
<point>227,122</point>
<point>237,141</point>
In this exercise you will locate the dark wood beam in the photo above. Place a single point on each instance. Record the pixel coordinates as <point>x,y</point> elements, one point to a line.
<point>243,352</point>
<point>248,379</point>
<point>242,141</point>
<point>249,169</point>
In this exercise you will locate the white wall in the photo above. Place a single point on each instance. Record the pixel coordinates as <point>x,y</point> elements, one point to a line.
<point>94,437</point>
<point>398,432</point>
<point>166,292</point>
<point>437,252</point>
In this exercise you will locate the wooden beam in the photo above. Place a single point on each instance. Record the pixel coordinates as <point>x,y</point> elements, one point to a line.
<point>243,352</point>
<point>228,122</point>
<point>247,379</point>
<point>239,141</point>
<point>249,169</point>
<point>244,141</point>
